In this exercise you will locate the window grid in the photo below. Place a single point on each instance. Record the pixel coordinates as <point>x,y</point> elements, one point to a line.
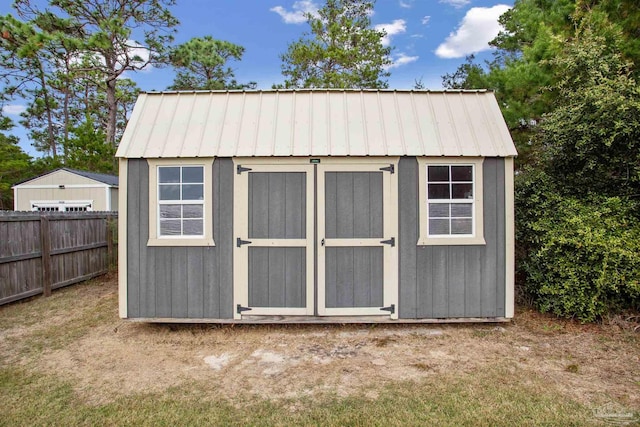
<point>457,219</point>
<point>181,203</point>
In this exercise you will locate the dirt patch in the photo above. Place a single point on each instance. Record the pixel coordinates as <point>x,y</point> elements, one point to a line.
<point>112,358</point>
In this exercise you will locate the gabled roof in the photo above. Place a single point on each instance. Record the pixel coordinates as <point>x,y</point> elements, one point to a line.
<point>101,177</point>
<point>316,123</point>
<point>110,180</point>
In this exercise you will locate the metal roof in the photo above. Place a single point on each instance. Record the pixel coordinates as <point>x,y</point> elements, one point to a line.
<point>316,123</point>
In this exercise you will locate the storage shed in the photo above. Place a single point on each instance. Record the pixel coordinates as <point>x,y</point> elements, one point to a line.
<point>67,190</point>
<point>316,206</point>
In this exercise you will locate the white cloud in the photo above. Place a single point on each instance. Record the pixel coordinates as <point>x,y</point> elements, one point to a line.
<point>298,12</point>
<point>426,19</point>
<point>478,27</point>
<point>401,59</point>
<point>398,26</point>
<point>416,36</point>
<point>14,109</point>
<point>406,4</point>
<point>456,3</point>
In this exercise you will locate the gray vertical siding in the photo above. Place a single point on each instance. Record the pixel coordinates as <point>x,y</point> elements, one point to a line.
<point>277,210</point>
<point>353,209</point>
<point>434,281</point>
<point>353,277</point>
<point>353,204</point>
<point>451,281</point>
<point>277,277</point>
<point>179,282</point>
<point>277,205</point>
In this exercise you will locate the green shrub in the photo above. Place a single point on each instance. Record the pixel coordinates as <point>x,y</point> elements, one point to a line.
<point>579,258</point>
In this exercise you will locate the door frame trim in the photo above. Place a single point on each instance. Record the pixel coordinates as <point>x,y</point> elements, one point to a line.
<point>303,164</point>
<point>390,229</point>
<point>241,229</point>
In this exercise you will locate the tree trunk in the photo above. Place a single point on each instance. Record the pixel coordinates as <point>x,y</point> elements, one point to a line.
<point>45,94</point>
<point>112,111</point>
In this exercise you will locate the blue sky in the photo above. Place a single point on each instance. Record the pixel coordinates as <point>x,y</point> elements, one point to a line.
<point>429,37</point>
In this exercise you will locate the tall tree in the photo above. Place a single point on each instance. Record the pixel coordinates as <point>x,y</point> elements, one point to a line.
<point>592,137</point>
<point>522,69</point>
<point>342,50</point>
<point>107,32</point>
<point>15,164</point>
<point>28,58</point>
<point>201,64</point>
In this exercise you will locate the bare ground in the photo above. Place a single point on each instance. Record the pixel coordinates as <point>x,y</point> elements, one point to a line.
<point>77,335</point>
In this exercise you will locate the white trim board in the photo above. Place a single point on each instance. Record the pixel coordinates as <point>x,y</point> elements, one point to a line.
<point>509,247</point>
<point>122,239</point>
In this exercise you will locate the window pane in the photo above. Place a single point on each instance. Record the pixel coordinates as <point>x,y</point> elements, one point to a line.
<point>192,211</point>
<point>438,226</point>
<point>170,192</point>
<point>438,191</point>
<point>462,191</point>
<point>170,211</point>
<point>169,227</point>
<point>192,174</point>
<point>461,210</point>
<point>461,173</point>
<point>168,174</point>
<point>193,227</point>
<point>438,173</point>
<point>461,226</point>
<point>438,210</point>
<point>192,192</point>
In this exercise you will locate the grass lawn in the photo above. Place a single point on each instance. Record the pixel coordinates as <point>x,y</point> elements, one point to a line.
<point>69,360</point>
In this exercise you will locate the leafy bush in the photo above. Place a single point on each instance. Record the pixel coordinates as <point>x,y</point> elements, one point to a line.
<point>579,257</point>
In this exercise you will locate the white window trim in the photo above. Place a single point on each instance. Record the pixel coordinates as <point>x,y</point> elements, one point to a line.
<point>478,220</point>
<point>207,238</point>
<point>61,204</point>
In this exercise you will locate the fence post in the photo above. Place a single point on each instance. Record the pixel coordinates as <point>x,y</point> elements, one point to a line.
<point>45,249</point>
<point>109,242</point>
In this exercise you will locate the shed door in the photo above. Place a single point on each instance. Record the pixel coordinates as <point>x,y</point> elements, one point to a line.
<point>274,244</point>
<point>357,233</point>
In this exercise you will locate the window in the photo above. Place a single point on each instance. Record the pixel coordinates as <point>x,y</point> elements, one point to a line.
<point>47,208</point>
<point>62,205</point>
<point>180,202</point>
<point>450,201</point>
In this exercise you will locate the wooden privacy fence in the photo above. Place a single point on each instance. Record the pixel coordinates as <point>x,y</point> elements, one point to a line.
<point>44,251</point>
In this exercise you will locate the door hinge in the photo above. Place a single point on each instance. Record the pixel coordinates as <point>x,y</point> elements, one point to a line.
<point>391,309</point>
<point>391,168</point>
<point>391,241</point>
<point>240,309</point>
<point>240,242</point>
<point>240,169</point>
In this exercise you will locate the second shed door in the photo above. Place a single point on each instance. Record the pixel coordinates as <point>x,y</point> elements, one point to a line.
<point>357,227</point>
